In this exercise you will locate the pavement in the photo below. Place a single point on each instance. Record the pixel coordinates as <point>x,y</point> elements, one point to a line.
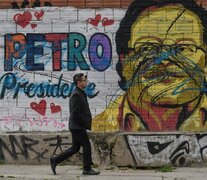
<point>66,172</point>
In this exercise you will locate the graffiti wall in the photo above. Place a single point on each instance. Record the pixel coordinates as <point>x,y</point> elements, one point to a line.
<point>33,149</point>
<point>146,66</point>
<point>160,149</point>
<point>41,49</point>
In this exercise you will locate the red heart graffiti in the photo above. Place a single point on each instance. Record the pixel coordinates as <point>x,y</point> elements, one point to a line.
<point>23,19</point>
<point>40,108</point>
<point>95,21</point>
<point>33,26</point>
<point>54,108</point>
<point>107,22</point>
<point>38,15</point>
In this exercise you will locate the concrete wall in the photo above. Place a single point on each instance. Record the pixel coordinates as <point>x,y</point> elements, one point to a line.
<point>37,148</point>
<point>149,77</point>
<point>137,150</point>
<point>161,149</point>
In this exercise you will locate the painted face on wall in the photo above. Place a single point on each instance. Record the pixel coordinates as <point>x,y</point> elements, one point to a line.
<point>167,58</point>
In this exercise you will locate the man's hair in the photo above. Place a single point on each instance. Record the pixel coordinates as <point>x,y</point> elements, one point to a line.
<point>123,34</point>
<point>78,77</point>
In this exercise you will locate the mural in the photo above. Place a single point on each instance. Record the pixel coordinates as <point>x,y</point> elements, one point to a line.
<point>162,66</point>
<point>146,66</point>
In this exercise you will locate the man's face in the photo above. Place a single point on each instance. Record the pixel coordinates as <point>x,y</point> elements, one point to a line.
<point>167,61</point>
<point>83,82</point>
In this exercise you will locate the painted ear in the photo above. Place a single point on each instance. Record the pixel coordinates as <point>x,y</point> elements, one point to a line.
<point>128,121</point>
<point>121,58</point>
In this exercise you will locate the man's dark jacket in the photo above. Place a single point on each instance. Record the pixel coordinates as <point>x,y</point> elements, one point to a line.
<point>80,114</point>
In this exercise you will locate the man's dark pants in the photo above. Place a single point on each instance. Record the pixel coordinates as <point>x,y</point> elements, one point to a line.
<point>79,138</point>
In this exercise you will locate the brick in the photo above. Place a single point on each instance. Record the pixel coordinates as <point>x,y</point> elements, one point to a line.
<point>85,14</point>
<point>7,27</point>
<point>2,57</point>
<point>59,3</point>
<point>92,30</point>
<point>119,14</point>
<point>36,10</point>
<point>10,103</point>
<point>12,12</point>
<point>125,3</point>
<point>43,27</point>
<point>60,27</point>
<point>112,3</point>
<point>69,14</point>
<point>51,15</point>
<point>112,28</point>
<point>94,3</point>
<point>113,41</point>
<point>78,27</point>
<point>77,3</point>
<point>27,29</point>
<point>184,26</point>
<point>105,13</point>
<point>5,4</point>
<point>3,14</point>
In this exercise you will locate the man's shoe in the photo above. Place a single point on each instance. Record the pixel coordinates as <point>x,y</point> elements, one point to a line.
<point>53,165</point>
<point>90,172</point>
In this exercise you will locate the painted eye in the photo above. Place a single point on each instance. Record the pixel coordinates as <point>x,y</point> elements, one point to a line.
<point>182,49</point>
<point>139,47</point>
<point>145,48</point>
<point>186,49</point>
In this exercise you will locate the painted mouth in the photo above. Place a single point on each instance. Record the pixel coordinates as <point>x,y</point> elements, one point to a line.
<point>165,71</point>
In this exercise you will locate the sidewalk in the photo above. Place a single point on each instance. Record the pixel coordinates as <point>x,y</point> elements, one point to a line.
<point>43,172</point>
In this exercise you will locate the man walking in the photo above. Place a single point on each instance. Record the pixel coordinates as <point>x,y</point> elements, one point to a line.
<point>79,121</point>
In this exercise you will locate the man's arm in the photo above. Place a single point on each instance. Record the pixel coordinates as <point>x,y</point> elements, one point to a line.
<point>75,109</point>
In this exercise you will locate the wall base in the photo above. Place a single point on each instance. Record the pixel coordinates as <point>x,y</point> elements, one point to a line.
<point>124,149</point>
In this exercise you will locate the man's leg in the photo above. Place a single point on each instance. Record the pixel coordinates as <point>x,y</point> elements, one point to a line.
<point>66,154</point>
<point>87,159</point>
<point>70,151</point>
<point>85,143</point>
